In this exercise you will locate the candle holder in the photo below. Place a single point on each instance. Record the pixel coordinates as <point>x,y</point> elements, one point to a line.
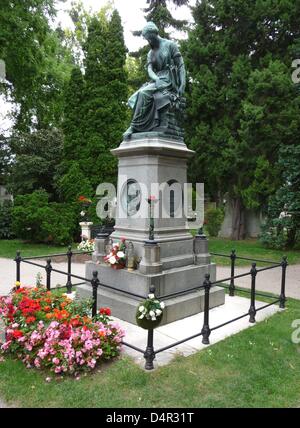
<point>151,201</point>
<point>130,257</point>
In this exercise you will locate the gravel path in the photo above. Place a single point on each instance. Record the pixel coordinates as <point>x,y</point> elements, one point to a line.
<point>29,272</point>
<point>269,280</point>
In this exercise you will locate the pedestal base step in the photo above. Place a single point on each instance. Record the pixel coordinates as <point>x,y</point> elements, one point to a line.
<point>177,308</point>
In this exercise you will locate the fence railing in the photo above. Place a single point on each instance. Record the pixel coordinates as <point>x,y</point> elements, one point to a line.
<point>150,352</point>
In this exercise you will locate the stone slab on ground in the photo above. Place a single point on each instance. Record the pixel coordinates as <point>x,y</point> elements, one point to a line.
<point>178,330</point>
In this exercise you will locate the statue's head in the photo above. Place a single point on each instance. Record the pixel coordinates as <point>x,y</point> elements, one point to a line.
<point>150,32</point>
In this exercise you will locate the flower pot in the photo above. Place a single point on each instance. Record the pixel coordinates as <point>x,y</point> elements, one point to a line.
<point>117,266</point>
<point>148,324</point>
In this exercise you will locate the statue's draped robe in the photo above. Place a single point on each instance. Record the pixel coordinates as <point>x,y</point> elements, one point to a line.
<point>150,99</point>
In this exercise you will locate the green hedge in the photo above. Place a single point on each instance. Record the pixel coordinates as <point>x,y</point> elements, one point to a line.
<point>36,219</point>
<point>6,220</point>
<point>214,218</point>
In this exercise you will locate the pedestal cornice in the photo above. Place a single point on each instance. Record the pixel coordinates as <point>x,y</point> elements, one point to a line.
<point>153,146</point>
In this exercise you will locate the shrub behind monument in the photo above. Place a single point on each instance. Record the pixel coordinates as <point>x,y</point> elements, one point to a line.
<point>214,218</point>
<point>6,220</point>
<point>36,219</point>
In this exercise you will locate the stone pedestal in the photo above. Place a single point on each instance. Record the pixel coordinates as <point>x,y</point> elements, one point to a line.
<point>142,163</point>
<point>175,261</point>
<point>150,263</point>
<point>86,229</point>
<point>178,279</point>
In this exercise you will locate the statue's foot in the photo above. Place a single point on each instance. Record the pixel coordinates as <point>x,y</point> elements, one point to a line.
<point>127,135</point>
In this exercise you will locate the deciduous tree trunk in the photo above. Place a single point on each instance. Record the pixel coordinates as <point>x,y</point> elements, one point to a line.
<point>238,220</point>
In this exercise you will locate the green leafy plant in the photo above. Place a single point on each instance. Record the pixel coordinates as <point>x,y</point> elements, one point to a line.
<point>6,220</point>
<point>214,219</point>
<point>37,220</point>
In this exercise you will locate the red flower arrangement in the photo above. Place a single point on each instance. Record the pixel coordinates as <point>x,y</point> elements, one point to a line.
<point>105,311</point>
<point>117,256</point>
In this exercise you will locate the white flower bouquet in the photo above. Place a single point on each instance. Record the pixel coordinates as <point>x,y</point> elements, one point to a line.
<point>117,256</point>
<point>150,312</point>
<point>86,245</point>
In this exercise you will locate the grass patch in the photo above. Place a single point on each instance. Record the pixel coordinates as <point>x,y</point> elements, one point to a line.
<point>249,248</point>
<point>8,248</point>
<point>258,367</point>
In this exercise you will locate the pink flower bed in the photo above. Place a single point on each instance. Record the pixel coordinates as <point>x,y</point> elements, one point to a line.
<point>62,342</point>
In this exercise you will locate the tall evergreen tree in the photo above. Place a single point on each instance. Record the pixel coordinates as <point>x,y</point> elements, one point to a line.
<point>96,116</point>
<point>159,13</point>
<point>73,124</point>
<point>242,106</point>
<point>70,180</point>
<point>5,159</point>
<point>117,93</point>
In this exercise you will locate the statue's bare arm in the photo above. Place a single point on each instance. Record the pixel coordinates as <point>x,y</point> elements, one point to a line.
<point>182,73</point>
<point>154,77</point>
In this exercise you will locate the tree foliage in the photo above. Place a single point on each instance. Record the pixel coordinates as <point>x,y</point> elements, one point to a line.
<point>36,219</point>
<point>158,12</point>
<point>241,97</point>
<point>284,231</point>
<point>73,123</point>
<point>37,63</point>
<point>6,220</point>
<point>37,156</point>
<point>106,93</point>
<point>5,159</point>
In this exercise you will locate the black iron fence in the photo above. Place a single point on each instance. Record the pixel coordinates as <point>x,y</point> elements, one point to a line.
<point>150,352</point>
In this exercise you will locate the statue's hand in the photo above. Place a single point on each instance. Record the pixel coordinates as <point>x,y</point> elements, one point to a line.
<point>158,83</point>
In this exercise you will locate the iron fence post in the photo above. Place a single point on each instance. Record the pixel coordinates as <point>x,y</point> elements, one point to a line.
<point>205,329</point>
<point>282,297</point>
<point>69,281</point>
<point>95,284</point>
<point>48,270</point>
<point>232,286</point>
<point>252,310</point>
<point>149,354</point>
<point>18,260</point>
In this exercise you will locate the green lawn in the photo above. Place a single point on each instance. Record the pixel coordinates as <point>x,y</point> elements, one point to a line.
<point>9,248</point>
<point>259,367</point>
<point>249,248</point>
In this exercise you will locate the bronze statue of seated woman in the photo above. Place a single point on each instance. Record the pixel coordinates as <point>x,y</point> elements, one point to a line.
<point>155,104</point>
